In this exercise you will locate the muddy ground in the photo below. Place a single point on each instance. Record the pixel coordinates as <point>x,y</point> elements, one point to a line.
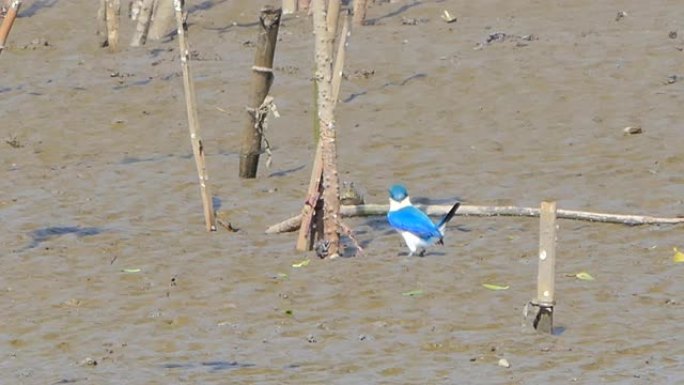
<point>516,102</point>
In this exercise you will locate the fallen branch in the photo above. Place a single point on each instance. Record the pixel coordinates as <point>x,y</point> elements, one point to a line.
<point>293,223</point>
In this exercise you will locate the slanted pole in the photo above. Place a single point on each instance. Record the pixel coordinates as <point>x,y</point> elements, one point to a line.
<point>193,121</point>
<point>545,300</point>
<point>8,21</point>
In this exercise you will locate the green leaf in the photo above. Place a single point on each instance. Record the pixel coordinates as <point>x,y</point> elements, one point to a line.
<point>678,256</point>
<point>302,263</point>
<point>412,293</point>
<point>584,276</point>
<point>131,270</point>
<point>495,287</point>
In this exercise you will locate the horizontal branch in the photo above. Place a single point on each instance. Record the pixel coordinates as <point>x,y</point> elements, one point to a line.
<point>293,223</point>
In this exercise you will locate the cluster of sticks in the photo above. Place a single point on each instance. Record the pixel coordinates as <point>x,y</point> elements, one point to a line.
<point>155,20</point>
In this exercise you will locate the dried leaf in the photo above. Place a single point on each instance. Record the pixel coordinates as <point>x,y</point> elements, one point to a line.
<point>495,287</point>
<point>301,264</point>
<point>678,256</point>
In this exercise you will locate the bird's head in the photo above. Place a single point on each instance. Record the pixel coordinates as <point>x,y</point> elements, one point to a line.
<point>398,193</point>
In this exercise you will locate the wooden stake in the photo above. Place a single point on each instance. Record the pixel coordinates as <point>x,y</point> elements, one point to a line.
<point>143,26</point>
<point>262,78</point>
<point>360,7</point>
<point>193,121</point>
<point>292,224</point>
<point>289,7</point>
<point>8,22</point>
<point>303,5</point>
<point>547,268</point>
<point>112,13</point>
<point>162,19</point>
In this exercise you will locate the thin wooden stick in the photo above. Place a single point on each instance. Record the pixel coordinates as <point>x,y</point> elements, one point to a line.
<point>339,58</point>
<point>143,26</point>
<point>8,22</point>
<point>292,224</point>
<point>545,300</point>
<point>305,219</point>
<point>193,121</point>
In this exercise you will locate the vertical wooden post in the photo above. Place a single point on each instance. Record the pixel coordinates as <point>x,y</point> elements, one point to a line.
<point>262,78</point>
<point>143,26</point>
<point>112,13</point>
<point>162,19</point>
<point>8,21</point>
<point>547,268</point>
<point>193,121</point>
<point>360,7</point>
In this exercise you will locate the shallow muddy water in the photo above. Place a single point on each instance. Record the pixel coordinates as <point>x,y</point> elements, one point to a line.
<point>109,277</point>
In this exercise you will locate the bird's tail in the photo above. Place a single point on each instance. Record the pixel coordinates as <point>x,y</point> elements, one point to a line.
<point>447,218</point>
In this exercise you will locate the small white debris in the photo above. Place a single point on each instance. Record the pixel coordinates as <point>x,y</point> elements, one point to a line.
<point>504,363</point>
<point>632,130</point>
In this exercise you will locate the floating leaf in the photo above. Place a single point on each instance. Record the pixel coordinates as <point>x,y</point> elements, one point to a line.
<point>131,270</point>
<point>678,256</point>
<point>584,276</point>
<point>412,293</point>
<point>282,275</point>
<point>301,264</point>
<point>495,287</point>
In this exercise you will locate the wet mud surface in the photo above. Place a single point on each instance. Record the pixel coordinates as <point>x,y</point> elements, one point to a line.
<point>108,276</point>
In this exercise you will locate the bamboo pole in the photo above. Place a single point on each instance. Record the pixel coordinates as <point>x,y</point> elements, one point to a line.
<point>8,22</point>
<point>545,300</point>
<point>112,13</point>
<point>143,26</point>
<point>360,7</point>
<point>262,78</point>
<point>193,121</point>
<point>293,223</point>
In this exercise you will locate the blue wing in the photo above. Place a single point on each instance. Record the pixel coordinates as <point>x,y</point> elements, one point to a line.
<point>414,221</point>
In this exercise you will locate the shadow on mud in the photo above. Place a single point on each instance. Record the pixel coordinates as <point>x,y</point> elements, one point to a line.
<point>41,235</point>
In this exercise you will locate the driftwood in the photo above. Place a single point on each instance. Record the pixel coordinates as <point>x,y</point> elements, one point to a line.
<point>193,120</point>
<point>262,78</point>
<point>8,21</point>
<point>292,224</point>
